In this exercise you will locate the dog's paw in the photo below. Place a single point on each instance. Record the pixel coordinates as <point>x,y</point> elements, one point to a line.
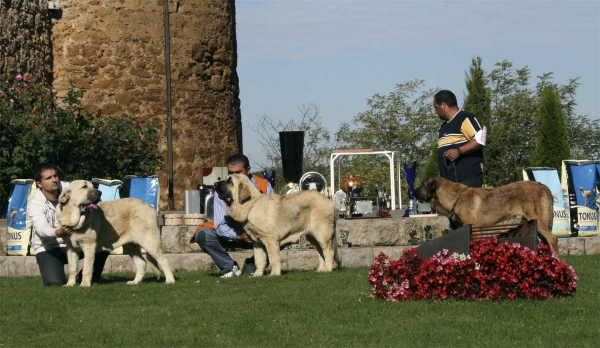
<point>170,281</point>
<point>70,283</point>
<point>85,285</point>
<point>257,274</point>
<point>133,282</point>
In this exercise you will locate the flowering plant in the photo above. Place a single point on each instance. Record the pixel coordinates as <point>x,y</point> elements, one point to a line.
<point>492,271</point>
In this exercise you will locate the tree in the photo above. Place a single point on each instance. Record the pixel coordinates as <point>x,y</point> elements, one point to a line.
<point>83,144</point>
<point>402,121</point>
<point>317,140</point>
<point>512,124</point>
<point>478,98</point>
<point>551,145</point>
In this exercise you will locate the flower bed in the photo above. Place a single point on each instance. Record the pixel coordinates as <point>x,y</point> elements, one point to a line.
<point>492,271</point>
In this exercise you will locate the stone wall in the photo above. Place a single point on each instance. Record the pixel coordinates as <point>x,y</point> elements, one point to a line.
<point>25,41</point>
<point>115,51</point>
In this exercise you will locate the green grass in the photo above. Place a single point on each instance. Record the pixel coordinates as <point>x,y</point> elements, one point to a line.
<point>296,309</point>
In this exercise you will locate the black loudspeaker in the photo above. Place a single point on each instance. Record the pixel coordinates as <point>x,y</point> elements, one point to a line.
<point>456,241</point>
<point>292,155</point>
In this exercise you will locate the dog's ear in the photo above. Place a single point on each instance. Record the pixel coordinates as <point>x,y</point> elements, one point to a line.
<point>432,185</point>
<point>65,196</point>
<point>244,193</point>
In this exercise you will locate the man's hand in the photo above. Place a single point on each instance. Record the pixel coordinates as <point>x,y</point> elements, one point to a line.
<point>451,155</point>
<point>244,236</point>
<point>63,231</point>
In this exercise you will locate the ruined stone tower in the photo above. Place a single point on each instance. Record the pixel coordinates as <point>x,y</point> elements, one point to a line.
<point>115,52</point>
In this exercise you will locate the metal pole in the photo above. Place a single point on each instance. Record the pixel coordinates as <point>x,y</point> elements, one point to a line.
<point>169,114</point>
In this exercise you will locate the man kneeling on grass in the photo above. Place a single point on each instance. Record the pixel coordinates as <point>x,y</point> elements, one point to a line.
<point>214,236</point>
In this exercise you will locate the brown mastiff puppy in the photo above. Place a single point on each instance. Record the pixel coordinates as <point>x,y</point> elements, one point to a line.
<point>274,220</point>
<point>512,203</point>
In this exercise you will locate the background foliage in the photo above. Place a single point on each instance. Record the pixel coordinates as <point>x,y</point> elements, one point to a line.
<point>505,100</point>
<point>83,144</point>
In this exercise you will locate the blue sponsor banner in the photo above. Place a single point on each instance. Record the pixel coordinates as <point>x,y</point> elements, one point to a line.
<point>146,189</point>
<point>16,214</point>
<point>584,184</point>
<point>581,182</point>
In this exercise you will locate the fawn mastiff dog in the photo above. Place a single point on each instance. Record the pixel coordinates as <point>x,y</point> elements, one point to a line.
<point>512,203</point>
<point>108,225</point>
<point>274,220</point>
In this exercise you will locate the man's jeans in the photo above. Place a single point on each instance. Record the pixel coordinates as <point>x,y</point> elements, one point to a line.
<point>214,245</point>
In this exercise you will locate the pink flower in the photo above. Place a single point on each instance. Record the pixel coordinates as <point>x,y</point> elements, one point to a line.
<point>12,100</point>
<point>19,77</point>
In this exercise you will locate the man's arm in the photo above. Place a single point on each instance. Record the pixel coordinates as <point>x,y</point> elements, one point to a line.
<point>37,214</point>
<point>220,210</point>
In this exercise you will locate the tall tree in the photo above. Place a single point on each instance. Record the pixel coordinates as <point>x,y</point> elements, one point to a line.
<point>551,145</point>
<point>478,99</point>
<point>512,124</point>
<point>317,140</point>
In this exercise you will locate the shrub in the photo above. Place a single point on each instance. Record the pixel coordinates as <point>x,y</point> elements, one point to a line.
<point>82,143</point>
<point>492,271</point>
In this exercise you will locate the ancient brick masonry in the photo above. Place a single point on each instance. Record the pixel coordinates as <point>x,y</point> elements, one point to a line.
<point>25,41</point>
<point>114,51</point>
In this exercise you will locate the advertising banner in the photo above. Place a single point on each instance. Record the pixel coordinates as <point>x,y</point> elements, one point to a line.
<point>549,177</point>
<point>581,185</point>
<point>19,225</point>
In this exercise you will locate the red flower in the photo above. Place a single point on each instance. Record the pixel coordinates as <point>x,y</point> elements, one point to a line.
<point>494,270</point>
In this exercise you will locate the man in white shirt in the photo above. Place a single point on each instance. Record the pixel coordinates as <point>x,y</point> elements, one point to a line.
<point>50,249</point>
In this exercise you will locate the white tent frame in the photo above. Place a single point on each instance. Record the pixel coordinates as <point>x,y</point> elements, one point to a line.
<point>388,154</point>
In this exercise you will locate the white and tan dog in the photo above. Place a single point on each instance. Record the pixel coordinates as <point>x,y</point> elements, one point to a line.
<point>108,225</point>
<point>275,220</point>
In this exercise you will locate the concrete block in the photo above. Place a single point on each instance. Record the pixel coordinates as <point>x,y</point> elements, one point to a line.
<point>16,266</point>
<point>174,261</point>
<point>3,266</point>
<point>176,239</point>
<point>31,266</point>
<point>393,252</point>
<point>356,257</point>
<point>592,245</point>
<point>196,262</point>
<point>3,240</point>
<point>576,246</point>
<point>297,259</point>
<point>563,246</point>
<point>387,231</point>
<point>120,263</point>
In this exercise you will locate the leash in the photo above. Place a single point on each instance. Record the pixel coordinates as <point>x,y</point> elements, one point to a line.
<point>453,166</point>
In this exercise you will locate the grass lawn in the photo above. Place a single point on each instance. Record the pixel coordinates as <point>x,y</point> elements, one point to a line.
<point>296,309</point>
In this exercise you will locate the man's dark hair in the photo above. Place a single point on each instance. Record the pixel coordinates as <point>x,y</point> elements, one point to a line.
<point>37,175</point>
<point>238,157</point>
<point>445,96</point>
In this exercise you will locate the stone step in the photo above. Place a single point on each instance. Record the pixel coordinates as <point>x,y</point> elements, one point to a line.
<point>292,259</point>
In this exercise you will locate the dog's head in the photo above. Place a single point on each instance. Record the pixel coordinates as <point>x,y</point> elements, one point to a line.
<point>236,189</point>
<point>75,201</point>
<point>426,192</point>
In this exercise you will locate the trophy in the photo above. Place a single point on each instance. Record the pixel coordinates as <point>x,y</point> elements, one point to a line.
<point>411,175</point>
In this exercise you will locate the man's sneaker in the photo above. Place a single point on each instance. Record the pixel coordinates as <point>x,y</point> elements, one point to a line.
<point>233,272</point>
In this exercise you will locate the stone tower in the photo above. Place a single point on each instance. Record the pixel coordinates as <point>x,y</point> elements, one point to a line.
<point>115,52</point>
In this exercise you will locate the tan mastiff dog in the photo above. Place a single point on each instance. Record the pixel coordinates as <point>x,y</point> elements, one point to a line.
<point>275,220</point>
<point>106,226</point>
<point>508,204</point>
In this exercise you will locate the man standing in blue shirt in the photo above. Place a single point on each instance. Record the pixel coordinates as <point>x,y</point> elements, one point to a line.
<point>461,141</point>
<point>226,233</point>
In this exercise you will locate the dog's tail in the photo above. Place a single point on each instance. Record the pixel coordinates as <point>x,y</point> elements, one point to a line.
<point>336,256</point>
